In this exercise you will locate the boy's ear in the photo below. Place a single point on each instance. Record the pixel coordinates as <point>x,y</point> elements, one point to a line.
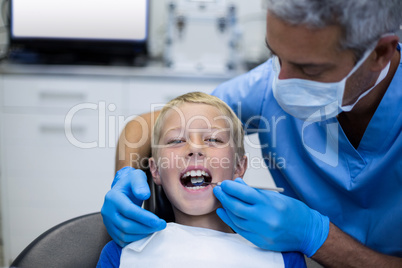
<point>154,171</point>
<point>241,167</point>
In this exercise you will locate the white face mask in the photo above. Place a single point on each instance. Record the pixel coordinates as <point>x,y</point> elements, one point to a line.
<point>315,101</point>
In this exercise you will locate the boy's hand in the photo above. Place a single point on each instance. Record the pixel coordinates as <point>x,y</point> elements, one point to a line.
<point>122,214</point>
<point>271,220</point>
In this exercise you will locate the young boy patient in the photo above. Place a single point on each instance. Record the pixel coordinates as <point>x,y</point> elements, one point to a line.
<point>197,140</point>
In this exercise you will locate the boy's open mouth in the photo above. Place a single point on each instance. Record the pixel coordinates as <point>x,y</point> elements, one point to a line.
<point>195,179</point>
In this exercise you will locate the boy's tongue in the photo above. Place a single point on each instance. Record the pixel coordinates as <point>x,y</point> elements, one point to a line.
<point>197,181</point>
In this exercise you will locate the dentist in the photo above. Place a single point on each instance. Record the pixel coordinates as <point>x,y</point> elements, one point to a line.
<point>334,91</point>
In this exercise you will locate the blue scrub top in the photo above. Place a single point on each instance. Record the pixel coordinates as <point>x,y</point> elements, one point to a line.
<point>360,190</point>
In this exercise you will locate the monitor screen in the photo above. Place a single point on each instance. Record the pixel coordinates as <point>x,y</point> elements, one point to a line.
<point>79,24</point>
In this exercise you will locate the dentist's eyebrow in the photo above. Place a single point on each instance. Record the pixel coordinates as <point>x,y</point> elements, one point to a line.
<point>324,66</point>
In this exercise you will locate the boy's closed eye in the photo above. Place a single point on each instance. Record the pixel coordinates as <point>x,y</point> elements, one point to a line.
<point>178,141</point>
<point>175,141</point>
<point>214,140</point>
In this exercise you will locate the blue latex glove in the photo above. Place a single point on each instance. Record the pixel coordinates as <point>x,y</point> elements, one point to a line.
<point>122,214</point>
<point>271,220</point>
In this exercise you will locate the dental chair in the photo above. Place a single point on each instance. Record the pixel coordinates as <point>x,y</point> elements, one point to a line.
<point>78,242</point>
<point>158,202</point>
<point>73,243</point>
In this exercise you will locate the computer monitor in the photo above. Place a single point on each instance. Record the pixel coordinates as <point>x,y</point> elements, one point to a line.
<point>78,30</point>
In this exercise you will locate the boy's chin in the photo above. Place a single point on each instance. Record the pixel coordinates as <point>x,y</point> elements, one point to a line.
<point>197,211</point>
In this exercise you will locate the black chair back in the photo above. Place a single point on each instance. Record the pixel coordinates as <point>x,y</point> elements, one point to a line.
<point>158,202</point>
<point>78,242</point>
<point>74,243</point>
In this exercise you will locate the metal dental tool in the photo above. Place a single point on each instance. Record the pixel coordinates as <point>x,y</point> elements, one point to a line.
<point>279,190</point>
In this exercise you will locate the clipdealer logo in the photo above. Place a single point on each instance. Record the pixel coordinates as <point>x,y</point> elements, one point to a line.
<point>109,127</point>
<point>331,154</point>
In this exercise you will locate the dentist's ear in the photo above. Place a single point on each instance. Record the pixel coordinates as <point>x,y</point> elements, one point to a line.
<point>384,51</point>
<point>154,171</point>
<point>241,167</point>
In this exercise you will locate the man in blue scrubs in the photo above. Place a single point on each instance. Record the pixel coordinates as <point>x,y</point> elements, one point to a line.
<point>327,108</point>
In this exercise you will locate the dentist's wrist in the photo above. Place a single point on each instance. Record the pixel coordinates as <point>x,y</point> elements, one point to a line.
<point>316,233</point>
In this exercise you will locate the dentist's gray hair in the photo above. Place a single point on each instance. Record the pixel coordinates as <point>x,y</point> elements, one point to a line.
<point>363,22</point>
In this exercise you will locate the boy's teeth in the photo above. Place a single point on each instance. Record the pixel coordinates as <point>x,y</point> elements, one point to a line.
<point>195,173</point>
<point>196,187</point>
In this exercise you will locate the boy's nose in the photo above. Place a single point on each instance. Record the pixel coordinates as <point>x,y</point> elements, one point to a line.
<point>195,148</point>
<point>190,154</point>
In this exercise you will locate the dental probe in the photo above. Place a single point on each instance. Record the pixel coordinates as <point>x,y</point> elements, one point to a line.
<point>276,189</point>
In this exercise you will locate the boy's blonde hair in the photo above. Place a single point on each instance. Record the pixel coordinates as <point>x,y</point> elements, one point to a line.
<point>236,132</point>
